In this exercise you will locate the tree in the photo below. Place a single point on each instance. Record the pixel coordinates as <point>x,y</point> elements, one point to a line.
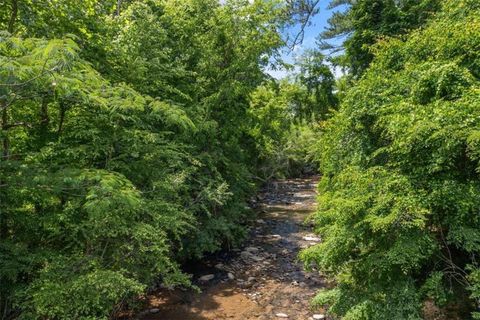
<point>125,149</point>
<point>362,23</point>
<point>315,75</point>
<point>399,198</point>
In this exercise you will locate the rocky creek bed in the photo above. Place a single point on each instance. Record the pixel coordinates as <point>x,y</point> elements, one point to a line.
<point>264,280</point>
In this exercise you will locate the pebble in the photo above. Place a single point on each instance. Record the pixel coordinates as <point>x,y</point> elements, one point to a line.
<point>154,310</point>
<point>281,315</point>
<point>318,316</point>
<point>230,276</point>
<point>207,277</point>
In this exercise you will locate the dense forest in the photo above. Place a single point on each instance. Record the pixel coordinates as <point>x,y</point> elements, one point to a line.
<point>134,134</point>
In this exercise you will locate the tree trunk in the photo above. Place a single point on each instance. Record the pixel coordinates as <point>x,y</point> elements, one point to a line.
<point>3,214</point>
<point>13,16</point>
<point>5,157</point>
<point>119,7</point>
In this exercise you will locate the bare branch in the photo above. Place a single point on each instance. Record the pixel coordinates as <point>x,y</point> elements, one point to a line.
<point>305,10</point>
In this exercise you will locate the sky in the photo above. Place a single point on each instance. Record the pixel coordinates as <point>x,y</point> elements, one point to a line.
<point>319,23</point>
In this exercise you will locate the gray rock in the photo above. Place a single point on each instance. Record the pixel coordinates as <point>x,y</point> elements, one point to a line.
<point>230,276</point>
<point>245,255</point>
<point>311,238</point>
<point>206,277</point>
<point>154,310</point>
<point>252,249</point>
<point>256,258</point>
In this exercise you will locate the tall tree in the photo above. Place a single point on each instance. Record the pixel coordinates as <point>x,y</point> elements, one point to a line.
<point>315,75</point>
<point>360,24</point>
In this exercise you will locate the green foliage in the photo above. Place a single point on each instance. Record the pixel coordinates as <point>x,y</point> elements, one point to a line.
<point>131,133</point>
<point>284,127</point>
<point>71,220</point>
<point>363,23</point>
<point>317,78</point>
<point>125,149</point>
<point>286,118</point>
<point>398,206</point>
<point>86,296</point>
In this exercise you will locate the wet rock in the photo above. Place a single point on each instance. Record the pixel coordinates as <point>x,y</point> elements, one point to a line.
<point>206,277</point>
